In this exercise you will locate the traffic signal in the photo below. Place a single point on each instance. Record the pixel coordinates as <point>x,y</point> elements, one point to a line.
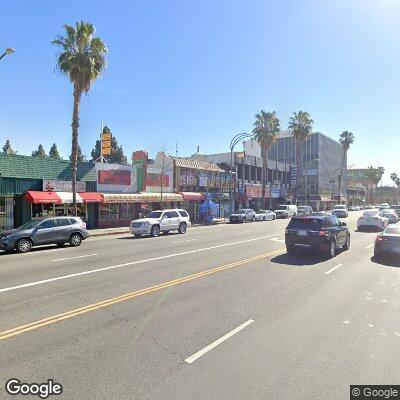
<point>106,143</point>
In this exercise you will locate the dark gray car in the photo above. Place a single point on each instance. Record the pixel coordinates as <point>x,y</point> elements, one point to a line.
<point>57,230</point>
<point>243,215</point>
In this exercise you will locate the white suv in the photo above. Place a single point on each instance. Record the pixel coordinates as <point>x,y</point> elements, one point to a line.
<point>161,221</point>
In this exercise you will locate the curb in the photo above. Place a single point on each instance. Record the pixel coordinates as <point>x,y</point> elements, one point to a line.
<point>127,230</point>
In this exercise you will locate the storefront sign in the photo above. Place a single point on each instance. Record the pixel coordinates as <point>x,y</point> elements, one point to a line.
<point>276,191</point>
<point>254,191</point>
<point>116,178</point>
<point>52,185</point>
<point>153,179</point>
<point>188,178</point>
<point>203,180</point>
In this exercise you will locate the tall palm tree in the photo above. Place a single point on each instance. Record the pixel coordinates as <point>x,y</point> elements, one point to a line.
<point>346,139</point>
<point>82,58</point>
<point>374,176</point>
<point>396,180</point>
<point>301,125</point>
<point>265,132</point>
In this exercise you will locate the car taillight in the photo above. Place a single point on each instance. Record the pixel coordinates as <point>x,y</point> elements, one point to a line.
<point>323,233</point>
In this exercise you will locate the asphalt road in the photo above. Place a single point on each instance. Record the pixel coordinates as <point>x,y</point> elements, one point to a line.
<point>219,313</point>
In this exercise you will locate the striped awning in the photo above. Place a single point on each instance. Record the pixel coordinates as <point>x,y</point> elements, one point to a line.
<point>62,197</point>
<point>141,197</point>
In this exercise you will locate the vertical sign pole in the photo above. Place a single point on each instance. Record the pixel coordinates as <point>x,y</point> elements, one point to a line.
<point>101,144</point>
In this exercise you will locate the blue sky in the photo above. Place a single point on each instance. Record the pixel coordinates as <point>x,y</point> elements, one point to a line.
<point>196,72</point>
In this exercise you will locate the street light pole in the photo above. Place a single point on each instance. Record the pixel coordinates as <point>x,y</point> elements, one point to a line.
<point>235,140</point>
<point>7,52</point>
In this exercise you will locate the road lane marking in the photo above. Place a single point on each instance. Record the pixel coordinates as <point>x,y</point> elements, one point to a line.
<point>277,240</point>
<point>201,352</point>
<point>184,241</point>
<point>93,271</point>
<point>128,296</point>
<point>332,269</point>
<point>369,246</point>
<point>73,258</point>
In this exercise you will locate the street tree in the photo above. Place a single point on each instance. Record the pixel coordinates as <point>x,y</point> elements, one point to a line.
<point>346,139</point>
<point>265,132</point>
<point>40,152</point>
<point>301,125</point>
<point>82,58</point>
<point>7,149</point>
<point>396,180</point>
<point>374,176</point>
<point>117,153</point>
<point>54,153</point>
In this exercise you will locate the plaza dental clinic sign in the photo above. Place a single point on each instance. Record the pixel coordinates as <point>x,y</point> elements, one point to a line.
<point>115,178</point>
<point>54,185</point>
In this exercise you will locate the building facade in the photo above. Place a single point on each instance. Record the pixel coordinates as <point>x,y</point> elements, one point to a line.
<point>321,165</point>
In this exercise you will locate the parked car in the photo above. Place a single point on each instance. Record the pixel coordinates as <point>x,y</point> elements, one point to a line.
<point>372,219</point>
<point>304,210</point>
<point>159,221</point>
<point>383,206</point>
<point>396,208</point>
<point>340,210</point>
<point>265,215</point>
<point>286,211</point>
<point>390,214</point>
<point>321,233</point>
<point>357,208</point>
<point>243,215</point>
<point>388,242</point>
<point>58,230</point>
<point>368,207</point>
<point>352,208</point>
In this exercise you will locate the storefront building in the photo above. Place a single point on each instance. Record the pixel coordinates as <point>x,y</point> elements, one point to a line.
<point>33,187</point>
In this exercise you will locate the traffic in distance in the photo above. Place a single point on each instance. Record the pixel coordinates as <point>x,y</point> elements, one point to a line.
<point>321,232</point>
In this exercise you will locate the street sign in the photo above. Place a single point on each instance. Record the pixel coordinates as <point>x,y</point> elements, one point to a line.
<point>106,151</point>
<point>105,136</point>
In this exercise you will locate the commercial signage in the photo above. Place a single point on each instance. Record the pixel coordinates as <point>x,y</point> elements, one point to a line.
<point>106,138</point>
<point>203,180</point>
<point>188,178</point>
<point>276,191</point>
<point>139,156</point>
<point>53,185</point>
<point>254,191</point>
<point>153,179</point>
<point>116,178</point>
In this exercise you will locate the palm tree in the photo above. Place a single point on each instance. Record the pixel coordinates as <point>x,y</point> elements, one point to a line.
<point>346,139</point>
<point>374,176</point>
<point>83,59</point>
<point>396,180</point>
<point>265,132</point>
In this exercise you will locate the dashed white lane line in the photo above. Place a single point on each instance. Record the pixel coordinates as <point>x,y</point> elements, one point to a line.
<point>73,258</point>
<point>369,246</point>
<point>143,261</point>
<point>184,241</point>
<point>275,239</point>
<point>201,352</point>
<point>332,269</point>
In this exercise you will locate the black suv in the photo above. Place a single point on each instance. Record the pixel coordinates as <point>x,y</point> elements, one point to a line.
<point>321,233</point>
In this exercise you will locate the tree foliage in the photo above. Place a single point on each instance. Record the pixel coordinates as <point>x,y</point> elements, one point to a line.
<point>40,152</point>
<point>7,149</point>
<point>117,153</point>
<point>54,153</point>
<point>80,156</point>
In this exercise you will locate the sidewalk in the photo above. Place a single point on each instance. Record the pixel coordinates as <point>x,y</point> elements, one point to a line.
<point>125,229</point>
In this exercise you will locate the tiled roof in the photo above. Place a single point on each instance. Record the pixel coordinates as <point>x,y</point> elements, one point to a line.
<point>196,164</point>
<point>18,166</point>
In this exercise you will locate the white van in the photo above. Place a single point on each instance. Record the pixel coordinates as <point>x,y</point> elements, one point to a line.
<point>286,211</point>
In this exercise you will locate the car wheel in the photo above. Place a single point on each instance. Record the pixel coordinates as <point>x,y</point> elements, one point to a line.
<point>155,231</point>
<point>253,219</point>
<point>166,233</point>
<point>346,246</point>
<point>137,235</point>
<point>182,228</point>
<point>244,220</point>
<point>75,240</point>
<point>264,219</point>
<point>24,245</point>
<point>60,244</point>
<point>332,249</point>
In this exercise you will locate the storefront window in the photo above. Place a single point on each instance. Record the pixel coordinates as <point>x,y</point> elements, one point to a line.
<point>37,210</point>
<point>48,210</point>
<point>2,204</point>
<point>126,211</point>
<point>108,212</point>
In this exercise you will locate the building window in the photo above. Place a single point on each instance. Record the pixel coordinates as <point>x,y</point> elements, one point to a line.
<point>109,212</point>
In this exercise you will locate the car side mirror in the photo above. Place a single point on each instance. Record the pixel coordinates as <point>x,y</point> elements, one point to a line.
<point>343,224</point>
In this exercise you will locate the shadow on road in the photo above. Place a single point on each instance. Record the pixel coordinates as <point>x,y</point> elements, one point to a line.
<point>34,250</point>
<point>387,261</point>
<point>299,259</point>
<point>147,236</point>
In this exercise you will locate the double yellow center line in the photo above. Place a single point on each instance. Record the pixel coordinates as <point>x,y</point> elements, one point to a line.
<point>128,296</point>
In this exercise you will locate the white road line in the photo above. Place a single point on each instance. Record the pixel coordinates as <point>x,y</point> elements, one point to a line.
<point>332,269</point>
<point>93,271</point>
<point>369,246</point>
<point>72,258</point>
<point>184,241</point>
<point>277,240</point>
<point>275,234</point>
<point>200,353</point>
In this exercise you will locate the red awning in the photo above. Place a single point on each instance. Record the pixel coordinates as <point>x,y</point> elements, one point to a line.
<point>91,197</point>
<point>193,196</point>
<point>42,197</point>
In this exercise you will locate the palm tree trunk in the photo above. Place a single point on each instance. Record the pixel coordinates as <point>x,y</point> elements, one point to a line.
<point>74,152</point>
<point>340,176</point>
<point>263,175</point>
<point>299,167</point>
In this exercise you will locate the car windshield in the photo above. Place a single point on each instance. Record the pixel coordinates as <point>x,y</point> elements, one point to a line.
<point>281,208</point>
<point>30,225</point>
<point>305,223</point>
<point>339,207</point>
<point>241,211</point>
<point>371,213</point>
<point>388,212</point>
<point>393,230</point>
<point>154,214</point>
